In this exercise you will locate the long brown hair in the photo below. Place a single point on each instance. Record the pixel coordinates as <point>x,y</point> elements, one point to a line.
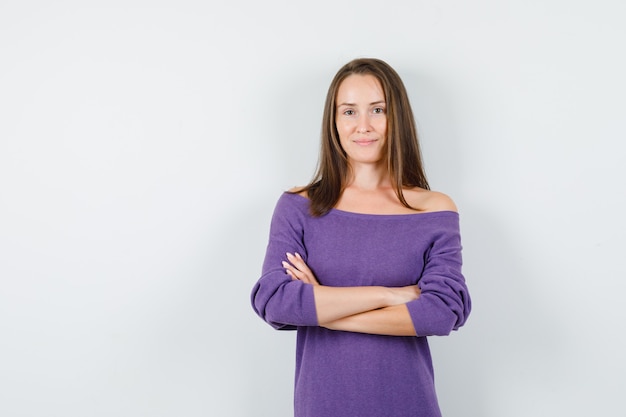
<point>404,158</point>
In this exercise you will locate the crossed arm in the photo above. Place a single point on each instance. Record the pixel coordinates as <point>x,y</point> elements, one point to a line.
<point>370,309</point>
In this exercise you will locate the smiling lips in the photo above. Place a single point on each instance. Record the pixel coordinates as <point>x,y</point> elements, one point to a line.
<point>364,142</point>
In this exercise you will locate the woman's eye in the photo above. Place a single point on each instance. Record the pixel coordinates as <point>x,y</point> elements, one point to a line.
<point>379,110</point>
<point>349,112</point>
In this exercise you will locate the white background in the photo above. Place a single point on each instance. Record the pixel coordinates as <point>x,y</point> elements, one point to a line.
<point>143,145</point>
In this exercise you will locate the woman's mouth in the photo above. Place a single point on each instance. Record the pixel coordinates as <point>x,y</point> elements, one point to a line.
<point>364,142</point>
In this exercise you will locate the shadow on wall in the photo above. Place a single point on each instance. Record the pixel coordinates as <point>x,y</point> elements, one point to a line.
<point>264,357</point>
<point>269,355</point>
<point>437,129</point>
<point>454,357</point>
<point>253,365</point>
<point>235,364</point>
<point>508,328</point>
<point>506,333</point>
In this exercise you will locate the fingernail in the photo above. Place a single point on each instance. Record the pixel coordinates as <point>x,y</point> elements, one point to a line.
<point>298,255</point>
<point>289,255</point>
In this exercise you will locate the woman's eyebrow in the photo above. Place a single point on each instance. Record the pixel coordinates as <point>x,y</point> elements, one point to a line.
<point>354,104</point>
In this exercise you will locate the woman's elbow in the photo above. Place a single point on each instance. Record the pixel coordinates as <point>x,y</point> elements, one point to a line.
<point>444,322</point>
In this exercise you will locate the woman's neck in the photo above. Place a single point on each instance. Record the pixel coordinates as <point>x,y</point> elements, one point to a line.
<point>368,177</point>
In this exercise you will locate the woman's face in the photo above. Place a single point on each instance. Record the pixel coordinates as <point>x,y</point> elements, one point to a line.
<point>361,118</point>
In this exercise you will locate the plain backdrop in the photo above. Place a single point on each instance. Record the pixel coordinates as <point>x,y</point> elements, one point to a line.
<point>143,145</point>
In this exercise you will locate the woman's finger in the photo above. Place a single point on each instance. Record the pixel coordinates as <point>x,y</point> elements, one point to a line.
<point>297,261</point>
<point>293,277</point>
<point>295,273</point>
<point>299,269</point>
<point>291,270</point>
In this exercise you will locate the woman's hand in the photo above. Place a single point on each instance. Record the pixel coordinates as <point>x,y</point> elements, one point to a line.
<point>402,295</point>
<point>299,270</point>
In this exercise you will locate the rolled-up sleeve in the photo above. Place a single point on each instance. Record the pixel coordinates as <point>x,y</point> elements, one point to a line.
<point>284,303</point>
<point>444,304</point>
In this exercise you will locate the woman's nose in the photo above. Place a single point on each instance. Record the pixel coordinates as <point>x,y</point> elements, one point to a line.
<point>363,125</point>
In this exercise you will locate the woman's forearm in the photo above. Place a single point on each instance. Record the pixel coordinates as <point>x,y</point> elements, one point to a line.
<point>390,321</point>
<point>334,303</point>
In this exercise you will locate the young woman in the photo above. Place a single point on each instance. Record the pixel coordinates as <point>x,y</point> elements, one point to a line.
<point>365,261</point>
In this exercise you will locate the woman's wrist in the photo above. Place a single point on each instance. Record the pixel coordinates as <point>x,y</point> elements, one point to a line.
<point>401,295</point>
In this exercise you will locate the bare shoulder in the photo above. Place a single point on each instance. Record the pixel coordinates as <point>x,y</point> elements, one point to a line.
<point>300,191</point>
<point>428,200</point>
<point>438,201</point>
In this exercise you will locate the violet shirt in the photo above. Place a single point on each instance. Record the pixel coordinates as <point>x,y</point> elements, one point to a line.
<point>345,374</point>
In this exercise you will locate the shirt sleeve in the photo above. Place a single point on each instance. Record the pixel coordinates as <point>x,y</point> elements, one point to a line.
<point>444,303</point>
<point>284,303</point>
